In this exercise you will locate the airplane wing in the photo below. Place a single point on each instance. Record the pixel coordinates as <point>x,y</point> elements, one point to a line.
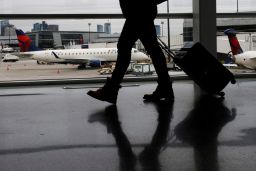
<point>76,61</point>
<point>22,55</point>
<point>73,60</point>
<point>253,57</point>
<point>249,55</point>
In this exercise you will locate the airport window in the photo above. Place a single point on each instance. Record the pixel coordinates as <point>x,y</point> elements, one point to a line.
<point>45,44</point>
<point>74,33</point>
<point>72,38</point>
<point>45,35</point>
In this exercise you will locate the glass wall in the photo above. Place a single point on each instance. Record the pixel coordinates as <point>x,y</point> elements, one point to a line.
<point>236,6</point>
<point>80,6</point>
<point>91,33</point>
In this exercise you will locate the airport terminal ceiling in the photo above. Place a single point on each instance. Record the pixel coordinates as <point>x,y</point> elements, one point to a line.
<point>97,7</point>
<point>110,6</point>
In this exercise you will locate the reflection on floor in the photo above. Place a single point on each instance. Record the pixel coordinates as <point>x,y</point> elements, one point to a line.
<point>54,128</point>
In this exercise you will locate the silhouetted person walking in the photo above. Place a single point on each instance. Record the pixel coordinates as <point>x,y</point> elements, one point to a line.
<point>139,24</point>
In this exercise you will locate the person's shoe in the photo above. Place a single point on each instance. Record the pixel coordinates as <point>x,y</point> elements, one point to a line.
<point>161,93</point>
<point>107,93</point>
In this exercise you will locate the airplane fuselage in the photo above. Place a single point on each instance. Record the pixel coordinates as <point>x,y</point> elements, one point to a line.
<point>78,56</point>
<point>246,59</point>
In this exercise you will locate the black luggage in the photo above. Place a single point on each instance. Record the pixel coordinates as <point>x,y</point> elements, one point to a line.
<point>202,67</point>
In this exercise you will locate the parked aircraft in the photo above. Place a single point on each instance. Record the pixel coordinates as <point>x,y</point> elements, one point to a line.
<point>6,56</point>
<point>246,59</point>
<point>7,50</point>
<point>84,57</point>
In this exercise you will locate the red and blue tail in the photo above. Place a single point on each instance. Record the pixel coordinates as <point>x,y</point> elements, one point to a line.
<point>234,44</point>
<point>25,43</point>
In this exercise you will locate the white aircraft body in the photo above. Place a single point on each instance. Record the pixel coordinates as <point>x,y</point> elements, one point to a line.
<point>83,57</point>
<point>80,56</point>
<point>7,50</point>
<point>246,59</point>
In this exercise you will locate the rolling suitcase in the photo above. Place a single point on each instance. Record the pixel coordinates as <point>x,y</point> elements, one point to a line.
<point>202,67</point>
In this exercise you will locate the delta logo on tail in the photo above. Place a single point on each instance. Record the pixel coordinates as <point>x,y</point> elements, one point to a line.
<point>246,59</point>
<point>235,46</point>
<point>25,43</point>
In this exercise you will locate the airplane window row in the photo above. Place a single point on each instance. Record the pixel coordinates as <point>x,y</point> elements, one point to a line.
<point>87,53</point>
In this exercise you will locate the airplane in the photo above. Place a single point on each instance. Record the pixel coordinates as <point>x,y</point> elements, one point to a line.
<point>93,57</point>
<point>5,55</point>
<point>246,59</point>
<point>7,50</point>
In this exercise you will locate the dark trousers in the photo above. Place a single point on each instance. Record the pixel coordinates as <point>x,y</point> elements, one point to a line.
<point>145,31</point>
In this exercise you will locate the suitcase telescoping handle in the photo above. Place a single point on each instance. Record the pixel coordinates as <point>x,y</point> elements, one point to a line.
<point>166,48</point>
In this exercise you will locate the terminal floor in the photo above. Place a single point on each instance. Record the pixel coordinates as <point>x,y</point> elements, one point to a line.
<point>52,128</point>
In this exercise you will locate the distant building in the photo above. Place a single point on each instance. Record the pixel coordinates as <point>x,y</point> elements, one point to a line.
<point>36,27</point>
<point>45,27</point>
<point>52,39</point>
<point>239,24</point>
<point>158,30</point>
<point>107,28</point>
<point>11,41</point>
<point>52,27</point>
<point>3,25</point>
<point>100,28</point>
<point>9,31</point>
<point>107,38</point>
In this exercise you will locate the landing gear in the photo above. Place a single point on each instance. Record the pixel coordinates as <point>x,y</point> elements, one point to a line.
<point>40,62</point>
<point>233,81</point>
<point>81,66</point>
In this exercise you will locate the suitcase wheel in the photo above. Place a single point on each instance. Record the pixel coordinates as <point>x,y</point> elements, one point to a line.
<point>233,81</point>
<point>221,94</point>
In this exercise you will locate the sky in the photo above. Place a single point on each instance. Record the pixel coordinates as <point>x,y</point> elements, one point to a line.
<point>100,6</point>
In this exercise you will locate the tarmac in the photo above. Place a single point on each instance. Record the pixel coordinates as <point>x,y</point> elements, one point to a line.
<point>59,127</point>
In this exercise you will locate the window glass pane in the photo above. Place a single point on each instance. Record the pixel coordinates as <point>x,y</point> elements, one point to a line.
<point>80,6</point>
<point>59,6</point>
<point>98,33</point>
<point>236,5</point>
<point>80,33</point>
<point>184,6</point>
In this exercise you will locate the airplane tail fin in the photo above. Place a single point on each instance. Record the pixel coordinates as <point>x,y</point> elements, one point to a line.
<point>25,43</point>
<point>234,43</point>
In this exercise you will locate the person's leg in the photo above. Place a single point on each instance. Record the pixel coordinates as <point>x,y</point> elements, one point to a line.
<point>126,41</point>
<point>109,91</point>
<point>148,38</point>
